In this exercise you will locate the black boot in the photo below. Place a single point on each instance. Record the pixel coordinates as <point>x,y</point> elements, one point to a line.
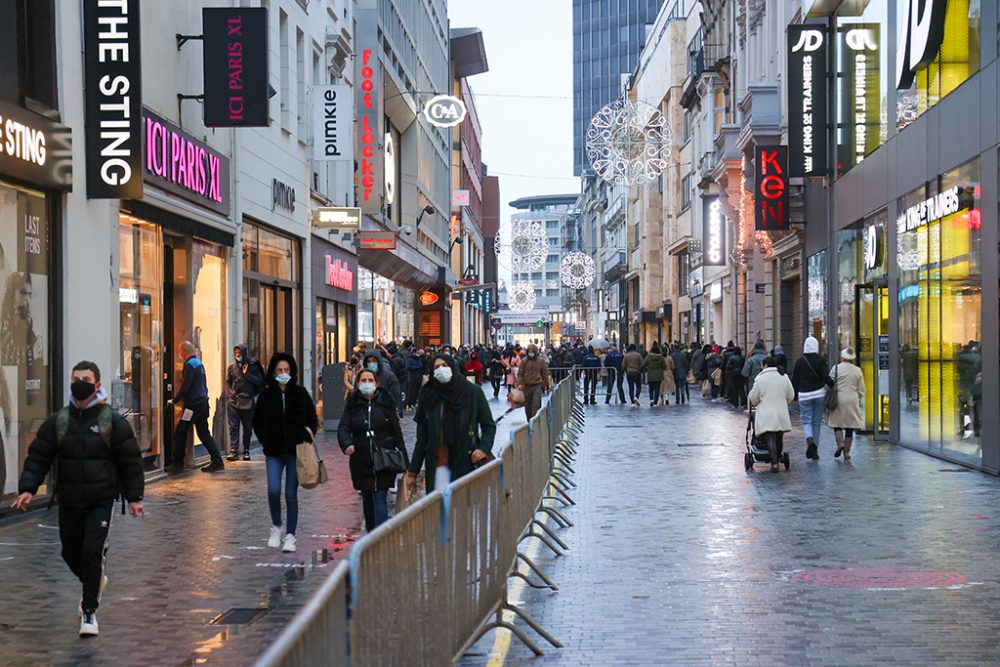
<point>811,451</point>
<point>233,455</point>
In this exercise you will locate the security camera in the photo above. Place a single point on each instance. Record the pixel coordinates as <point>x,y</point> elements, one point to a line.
<point>407,230</point>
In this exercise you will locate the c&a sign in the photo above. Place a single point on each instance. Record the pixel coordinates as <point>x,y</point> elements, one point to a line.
<point>770,188</point>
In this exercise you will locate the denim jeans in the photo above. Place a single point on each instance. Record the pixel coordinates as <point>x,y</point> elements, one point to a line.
<point>275,466</point>
<point>654,392</point>
<point>634,385</point>
<point>812,413</point>
<point>375,507</point>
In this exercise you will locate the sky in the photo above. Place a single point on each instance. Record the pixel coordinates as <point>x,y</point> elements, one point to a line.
<point>527,142</point>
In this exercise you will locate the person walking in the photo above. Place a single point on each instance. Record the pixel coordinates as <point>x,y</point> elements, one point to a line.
<point>284,418</point>
<point>387,379</point>
<point>512,361</point>
<point>416,369</point>
<point>810,378</point>
<point>771,394</point>
<point>849,415</point>
<point>681,368</point>
<point>632,367</point>
<point>244,379</point>
<point>95,459</point>
<point>734,378</point>
<point>654,366</point>
<point>455,428</point>
<point>591,367</point>
<point>714,366</point>
<point>474,369</point>
<point>753,365</point>
<point>496,372</point>
<point>369,422</point>
<point>534,381</point>
<point>613,365</point>
<point>194,395</point>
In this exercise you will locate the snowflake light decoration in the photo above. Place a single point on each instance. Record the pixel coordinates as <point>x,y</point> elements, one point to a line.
<point>528,246</point>
<point>577,270</point>
<point>522,296</point>
<point>628,143</point>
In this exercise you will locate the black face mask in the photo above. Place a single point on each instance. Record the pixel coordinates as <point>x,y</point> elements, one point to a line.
<point>81,390</point>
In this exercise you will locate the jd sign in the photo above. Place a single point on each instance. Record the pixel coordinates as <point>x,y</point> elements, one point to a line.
<point>921,31</point>
<point>444,111</point>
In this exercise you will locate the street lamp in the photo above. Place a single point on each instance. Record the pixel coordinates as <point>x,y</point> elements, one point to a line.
<point>455,241</point>
<point>429,210</point>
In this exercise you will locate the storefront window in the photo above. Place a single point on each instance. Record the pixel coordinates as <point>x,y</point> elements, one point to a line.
<point>208,305</point>
<point>957,59</point>
<point>405,313</point>
<point>940,293</point>
<point>272,292</point>
<point>25,261</point>
<point>816,269</point>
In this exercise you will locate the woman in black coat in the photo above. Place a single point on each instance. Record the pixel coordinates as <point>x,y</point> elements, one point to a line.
<point>734,379</point>
<point>369,422</point>
<point>285,416</point>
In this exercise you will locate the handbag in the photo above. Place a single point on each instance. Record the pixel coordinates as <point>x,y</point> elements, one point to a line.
<point>690,379</point>
<point>309,467</point>
<point>389,459</point>
<point>516,396</point>
<point>831,393</point>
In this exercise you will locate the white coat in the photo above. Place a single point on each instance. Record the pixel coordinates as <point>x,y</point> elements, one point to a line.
<point>850,412</point>
<point>771,394</point>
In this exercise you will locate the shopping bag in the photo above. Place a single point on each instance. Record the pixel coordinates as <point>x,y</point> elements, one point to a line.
<point>403,498</point>
<point>516,396</point>
<point>309,466</point>
<point>706,388</point>
<point>717,377</point>
<point>690,378</point>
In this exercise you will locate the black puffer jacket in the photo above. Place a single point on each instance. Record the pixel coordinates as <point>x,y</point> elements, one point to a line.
<point>281,418</point>
<point>88,470</point>
<point>360,417</point>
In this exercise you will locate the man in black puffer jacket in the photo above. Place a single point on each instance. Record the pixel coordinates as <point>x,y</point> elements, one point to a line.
<point>96,460</point>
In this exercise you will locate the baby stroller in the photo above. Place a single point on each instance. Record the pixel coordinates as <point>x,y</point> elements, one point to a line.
<point>764,449</point>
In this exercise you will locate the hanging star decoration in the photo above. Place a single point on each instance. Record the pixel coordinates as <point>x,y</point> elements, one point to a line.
<point>522,296</point>
<point>577,270</point>
<point>628,143</point>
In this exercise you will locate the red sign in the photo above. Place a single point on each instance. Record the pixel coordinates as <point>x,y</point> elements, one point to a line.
<point>369,61</point>
<point>771,188</point>
<point>428,298</point>
<point>378,240</point>
<point>338,274</point>
<point>467,282</point>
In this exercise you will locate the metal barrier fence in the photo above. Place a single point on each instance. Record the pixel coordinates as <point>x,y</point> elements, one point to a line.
<point>428,584</point>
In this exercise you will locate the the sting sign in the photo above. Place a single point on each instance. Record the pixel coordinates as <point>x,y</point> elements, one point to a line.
<point>235,66</point>
<point>771,188</point>
<point>113,99</point>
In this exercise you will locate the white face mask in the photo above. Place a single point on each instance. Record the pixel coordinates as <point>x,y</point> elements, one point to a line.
<point>283,378</point>
<point>442,374</point>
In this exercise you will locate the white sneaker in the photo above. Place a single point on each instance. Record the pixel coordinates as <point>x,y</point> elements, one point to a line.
<point>289,545</point>
<point>88,625</point>
<point>274,541</point>
<point>100,594</point>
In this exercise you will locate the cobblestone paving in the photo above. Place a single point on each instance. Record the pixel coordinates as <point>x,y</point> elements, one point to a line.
<point>680,557</point>
<point>200,551</point>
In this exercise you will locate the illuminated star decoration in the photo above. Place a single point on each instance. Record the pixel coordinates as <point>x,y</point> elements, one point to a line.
<point>527,249</point>
<point>522,296</point>
<point>577,270</point>
<point>628,143</point>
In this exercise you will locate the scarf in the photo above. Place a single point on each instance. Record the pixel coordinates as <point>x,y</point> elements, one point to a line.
<point>455,397</point>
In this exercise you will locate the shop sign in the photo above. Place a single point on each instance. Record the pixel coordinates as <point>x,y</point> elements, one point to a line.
<point>760,288</point>
<point>332,124</point>
<point>428,298</point>
<point>487,301</point>
<point>339,274</point>
<point>235,66</point>
<point>282,196</point>
<point>941,205</point>
<point>35,149</point>
<point>459,198</point>
<point>468,282</point>
<point>715,291</point>
<point>377,240</point>
<point>808,57</point>
<point>337,218</point>
<point>922,30</point>
<point>113,99</point>
<point>874,247</point>
<point>771,183</point>
<point>861,77</point>
<point>713,248</point>
<point>522,317</point>
<point>368,107</point>
<point>390,169</point>
<point>184,166</point>
<point>444,111</point>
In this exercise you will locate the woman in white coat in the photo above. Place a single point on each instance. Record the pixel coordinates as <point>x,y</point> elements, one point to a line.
<point>771,394</point>
<point>849,415</point>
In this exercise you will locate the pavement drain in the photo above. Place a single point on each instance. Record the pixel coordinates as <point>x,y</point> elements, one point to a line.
<point>240,616</point>
<point>622,426</point>
<point>954,469</point>
<point>701,444</point>
<point>879,578</point>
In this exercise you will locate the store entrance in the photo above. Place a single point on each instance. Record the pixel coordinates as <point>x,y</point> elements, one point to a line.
<point>872,345</point>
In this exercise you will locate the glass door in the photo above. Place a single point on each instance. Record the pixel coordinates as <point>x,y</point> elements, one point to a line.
<point>872,318</point>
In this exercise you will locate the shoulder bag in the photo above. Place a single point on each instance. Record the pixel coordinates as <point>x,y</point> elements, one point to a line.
<point>388,456</point>
<point>831,392</point>
<point>309,467</point>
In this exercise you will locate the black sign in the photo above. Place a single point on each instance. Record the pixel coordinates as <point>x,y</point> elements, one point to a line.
<point>113,94</point>
<point>282,196</point>
<point>808,52</point>
<point>883,353</point>
<point>35,149</point>
<point>860,112</point>
<point>713,245</point>
<point>771,188</point>
<point>235,67</point>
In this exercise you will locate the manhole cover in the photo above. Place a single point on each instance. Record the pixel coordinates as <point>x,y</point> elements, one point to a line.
<point>883,578</point>
<point>240,616</point>
<point>700,444</point>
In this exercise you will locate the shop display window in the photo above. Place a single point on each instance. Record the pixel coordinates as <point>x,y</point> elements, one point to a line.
<point>817,298</point>
<point>940,328</point>
<point>272,292</point>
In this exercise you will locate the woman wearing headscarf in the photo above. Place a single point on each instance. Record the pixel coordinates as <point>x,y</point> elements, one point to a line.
<point>284,417</point>
<point>370,422</point>
<point>849,415</point>
<point>455,428</point>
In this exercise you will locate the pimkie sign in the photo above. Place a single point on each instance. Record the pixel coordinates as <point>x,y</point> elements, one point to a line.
<point>808,57</point>
<point>771,188</point>
<point>333,127</point>
<point>235,66</point>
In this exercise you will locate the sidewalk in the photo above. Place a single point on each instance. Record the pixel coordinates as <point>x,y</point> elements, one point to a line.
<point>680,557</point>
<point>199,552</point>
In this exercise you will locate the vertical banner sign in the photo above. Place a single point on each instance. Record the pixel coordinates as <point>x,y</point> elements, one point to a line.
<point>860,110</point>
<point>333,129</point>
<point>771,188</point>
<point>113,100</point>
<point>808,51</point>
<point>714,225</point>
<point>235,66</point>
<point>371,160</point>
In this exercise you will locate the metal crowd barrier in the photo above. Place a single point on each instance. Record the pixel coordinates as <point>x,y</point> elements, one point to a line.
<point>429,583</point>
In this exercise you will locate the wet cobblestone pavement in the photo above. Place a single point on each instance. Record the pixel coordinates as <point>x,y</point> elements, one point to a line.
<point>199,552</point>
<point>680,557</point>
